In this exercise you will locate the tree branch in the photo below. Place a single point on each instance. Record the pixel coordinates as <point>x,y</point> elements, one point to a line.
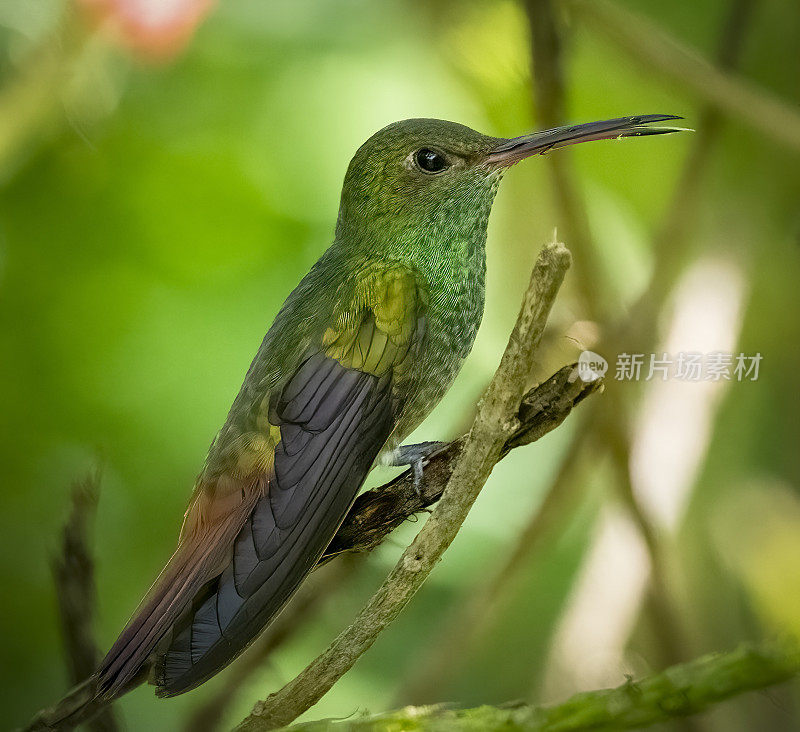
<point>678,692</point>
<point>478,608</point>
<point>494,425</point>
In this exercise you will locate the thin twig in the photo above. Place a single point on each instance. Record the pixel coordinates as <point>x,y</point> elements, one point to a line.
<point>676,693</point>
<point>73,574</point>
<point>495,422</point>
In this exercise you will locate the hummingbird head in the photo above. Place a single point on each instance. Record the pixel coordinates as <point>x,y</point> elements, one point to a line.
<point>409,177</point>
<point>420,181</point>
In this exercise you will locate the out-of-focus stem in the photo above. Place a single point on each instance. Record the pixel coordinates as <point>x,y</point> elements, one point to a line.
<point>549,98</point>
<point>549,95</point>
<point>658,51</point>
<point>73,574</point>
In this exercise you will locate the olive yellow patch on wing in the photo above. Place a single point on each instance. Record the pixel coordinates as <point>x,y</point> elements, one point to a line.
<point>374,330</point>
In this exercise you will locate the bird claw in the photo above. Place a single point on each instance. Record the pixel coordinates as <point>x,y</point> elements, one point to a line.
<point>416,456</point>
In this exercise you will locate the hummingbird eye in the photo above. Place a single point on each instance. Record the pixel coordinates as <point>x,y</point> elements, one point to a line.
<point>430,161</point>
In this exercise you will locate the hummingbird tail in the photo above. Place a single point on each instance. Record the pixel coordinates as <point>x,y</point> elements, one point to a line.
<point>190,567</point>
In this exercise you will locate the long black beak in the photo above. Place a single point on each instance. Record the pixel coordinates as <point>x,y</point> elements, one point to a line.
<point>518,148</point>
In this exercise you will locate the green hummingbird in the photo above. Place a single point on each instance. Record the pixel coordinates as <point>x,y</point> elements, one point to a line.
<point>359,354</point>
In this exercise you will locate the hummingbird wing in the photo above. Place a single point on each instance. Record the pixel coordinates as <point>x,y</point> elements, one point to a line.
<point>257,528</point>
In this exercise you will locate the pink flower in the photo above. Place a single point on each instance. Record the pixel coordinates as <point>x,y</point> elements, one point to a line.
<point>154,30</point>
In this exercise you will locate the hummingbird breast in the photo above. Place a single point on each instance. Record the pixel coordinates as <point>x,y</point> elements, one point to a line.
<point>457,292</point>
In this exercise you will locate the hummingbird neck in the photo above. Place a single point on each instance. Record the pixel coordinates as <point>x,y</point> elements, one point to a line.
<point>440,240</point>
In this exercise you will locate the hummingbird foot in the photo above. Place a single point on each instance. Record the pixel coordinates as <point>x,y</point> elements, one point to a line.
<point>416,456</point>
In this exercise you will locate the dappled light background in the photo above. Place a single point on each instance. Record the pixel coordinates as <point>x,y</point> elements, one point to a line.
<point>169,171</point>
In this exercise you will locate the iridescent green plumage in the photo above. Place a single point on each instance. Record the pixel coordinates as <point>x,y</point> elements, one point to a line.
<point>361,351</point>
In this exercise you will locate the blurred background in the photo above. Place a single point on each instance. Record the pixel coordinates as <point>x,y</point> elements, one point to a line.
<point>169,170</point>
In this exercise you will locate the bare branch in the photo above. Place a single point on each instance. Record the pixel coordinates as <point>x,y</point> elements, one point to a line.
<point>479,607</point>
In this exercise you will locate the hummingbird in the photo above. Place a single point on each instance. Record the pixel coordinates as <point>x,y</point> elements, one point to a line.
<point>358,355</point>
